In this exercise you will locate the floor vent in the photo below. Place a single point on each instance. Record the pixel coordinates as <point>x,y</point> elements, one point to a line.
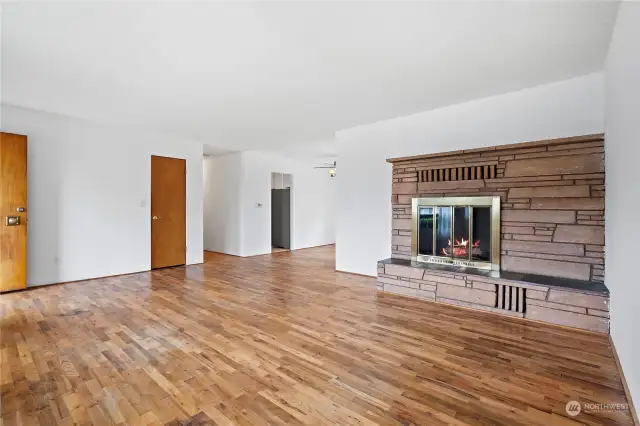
<point>457,173</point>
<point>511,298</point>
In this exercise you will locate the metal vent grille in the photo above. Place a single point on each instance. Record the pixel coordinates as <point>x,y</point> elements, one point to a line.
<point>511,298</point>
<point>457,173</point>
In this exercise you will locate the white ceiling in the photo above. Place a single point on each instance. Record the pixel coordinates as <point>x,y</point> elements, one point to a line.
<point>269,74</point>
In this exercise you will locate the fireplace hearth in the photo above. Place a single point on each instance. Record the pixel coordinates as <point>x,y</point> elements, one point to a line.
<point>461,231</point>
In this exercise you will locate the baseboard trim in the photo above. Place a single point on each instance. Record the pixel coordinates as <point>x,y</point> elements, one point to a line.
<point>225,254</point>
<point>312,247</point>
<point>35,287</point>
<point>266,254</point>
<point>353,273</point>
<point>625,386</point>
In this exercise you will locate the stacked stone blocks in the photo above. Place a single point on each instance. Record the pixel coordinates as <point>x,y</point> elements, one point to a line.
<point>568,307</point>
<point>552,195</point>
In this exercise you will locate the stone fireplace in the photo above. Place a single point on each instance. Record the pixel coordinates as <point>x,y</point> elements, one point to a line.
<point>513,229</point>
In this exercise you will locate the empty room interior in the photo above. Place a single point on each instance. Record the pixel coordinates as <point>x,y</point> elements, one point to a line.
<point>319,213</point>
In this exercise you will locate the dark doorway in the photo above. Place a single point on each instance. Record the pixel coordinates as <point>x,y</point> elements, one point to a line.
<point>281,218</point>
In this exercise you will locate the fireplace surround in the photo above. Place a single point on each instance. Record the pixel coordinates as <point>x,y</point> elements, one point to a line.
<point>514,229</point>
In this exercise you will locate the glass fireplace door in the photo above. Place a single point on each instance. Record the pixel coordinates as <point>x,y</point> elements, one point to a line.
<point>443,231</point>
<point>461,228</point>
<point>461,231</point>
<point>425,231</point>
<point>481,225</point>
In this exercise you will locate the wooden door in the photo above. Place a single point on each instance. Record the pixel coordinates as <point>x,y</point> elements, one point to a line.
<point>13,212</point>
<point>168,212</point>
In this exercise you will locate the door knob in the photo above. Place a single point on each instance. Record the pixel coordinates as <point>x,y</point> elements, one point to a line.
<point>156,217</point>
<point>13,220</point>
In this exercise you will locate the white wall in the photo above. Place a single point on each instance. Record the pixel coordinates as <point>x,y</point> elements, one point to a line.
<point>89,195</point>
<point>312,195</point>
<point>245,230</point>
<point>568,108</point>
<point>222,177</point>
<point>622,149</point>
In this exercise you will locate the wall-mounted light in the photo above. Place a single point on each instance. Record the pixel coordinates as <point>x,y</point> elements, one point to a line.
<point>332,172</point>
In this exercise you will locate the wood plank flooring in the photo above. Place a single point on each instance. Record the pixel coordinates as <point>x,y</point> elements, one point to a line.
<point>283,339</point>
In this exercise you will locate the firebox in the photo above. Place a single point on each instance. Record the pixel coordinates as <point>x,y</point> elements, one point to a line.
<point>462,231</point>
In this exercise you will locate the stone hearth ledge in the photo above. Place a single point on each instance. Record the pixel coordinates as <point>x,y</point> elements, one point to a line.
<point>561,301</point>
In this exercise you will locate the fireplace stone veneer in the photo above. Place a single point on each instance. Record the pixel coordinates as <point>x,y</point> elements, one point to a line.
<point>561,301</point>
<point>552,223</point>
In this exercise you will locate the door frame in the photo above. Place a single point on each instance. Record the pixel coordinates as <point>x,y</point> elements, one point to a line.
<point>150,212</point>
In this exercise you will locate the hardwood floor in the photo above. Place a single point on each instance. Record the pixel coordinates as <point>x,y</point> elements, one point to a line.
<point>282,339</point>
<point>278,249</point>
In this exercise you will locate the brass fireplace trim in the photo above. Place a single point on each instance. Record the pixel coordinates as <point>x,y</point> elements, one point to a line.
<point>489,201</point>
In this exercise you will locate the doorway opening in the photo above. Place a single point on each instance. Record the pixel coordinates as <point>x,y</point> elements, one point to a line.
<point>281,211</point>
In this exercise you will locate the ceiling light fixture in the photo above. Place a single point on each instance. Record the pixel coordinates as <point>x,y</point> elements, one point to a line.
<point>331,166</point>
